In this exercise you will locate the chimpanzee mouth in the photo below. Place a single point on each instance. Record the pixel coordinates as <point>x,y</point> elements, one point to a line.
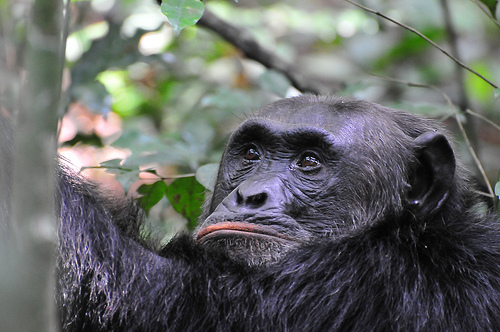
<point>227,229</point>
<point>251,239</point>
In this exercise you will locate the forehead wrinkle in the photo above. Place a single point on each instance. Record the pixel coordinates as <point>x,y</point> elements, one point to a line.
<point>311,135</point>
<point>290,135</point>
<point>339,124</point>
<point>252,130</point>
<point>282,128</point>
<point>347,131</point>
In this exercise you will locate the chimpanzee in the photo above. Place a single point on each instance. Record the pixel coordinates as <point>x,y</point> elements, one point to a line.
<point>328,214</point>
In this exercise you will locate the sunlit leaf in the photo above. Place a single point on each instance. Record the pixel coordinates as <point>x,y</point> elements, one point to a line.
<point>111,163</point>
<point>476,86</point>
<point>186,196</point>
<point>125,178</point>
<point>182,13</point>
<point>207,174</point>
<point>497,196</point>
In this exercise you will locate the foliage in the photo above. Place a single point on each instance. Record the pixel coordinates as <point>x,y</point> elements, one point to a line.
<point>182,13</point>
<point>497,194</point>
<point>185,194</point>
<point>152,194</point>
<point>492,6</point>
<point>186,197</point>
<point>179,89</point>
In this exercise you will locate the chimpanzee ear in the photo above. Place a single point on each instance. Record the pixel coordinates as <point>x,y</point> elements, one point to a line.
<point>433,173</point>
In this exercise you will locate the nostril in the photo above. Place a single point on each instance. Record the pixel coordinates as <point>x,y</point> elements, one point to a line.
<point>256,200</point>
<point>254,195</point>
<point>239,198</point>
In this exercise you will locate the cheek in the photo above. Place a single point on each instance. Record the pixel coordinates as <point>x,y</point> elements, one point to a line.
<point>310,195</point>
<point>336,196</point>
<point>223,187</point>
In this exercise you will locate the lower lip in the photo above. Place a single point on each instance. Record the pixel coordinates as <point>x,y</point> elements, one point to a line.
<point>232,228</point>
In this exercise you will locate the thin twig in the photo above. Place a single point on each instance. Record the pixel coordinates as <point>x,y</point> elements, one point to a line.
<point>487,13</point>
<point>469,145</point>
<point>425,38</point>
<point>460,126</point>
<point>485,119</point>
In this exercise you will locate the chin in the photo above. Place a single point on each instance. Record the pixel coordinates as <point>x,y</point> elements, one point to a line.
<point>246,243</point>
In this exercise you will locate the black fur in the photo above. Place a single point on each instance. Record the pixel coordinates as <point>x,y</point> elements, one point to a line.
<point>372,259</point>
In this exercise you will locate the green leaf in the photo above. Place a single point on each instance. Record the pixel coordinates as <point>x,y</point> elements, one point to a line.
<point>497,196</point>
<point>186,196</point>
<point>111,163</point>
<point>125,177</point>
<point>182,13</point>
<point>206,175</point>
<point>152,194</point>
<point>476,86</point>
<point>492,6</point>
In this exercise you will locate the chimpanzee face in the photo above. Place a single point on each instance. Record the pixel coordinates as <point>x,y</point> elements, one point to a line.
<point>299,172</point>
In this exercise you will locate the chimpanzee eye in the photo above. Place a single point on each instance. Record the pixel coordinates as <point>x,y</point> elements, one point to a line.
<point>308,161</point>
<point>252,153</point>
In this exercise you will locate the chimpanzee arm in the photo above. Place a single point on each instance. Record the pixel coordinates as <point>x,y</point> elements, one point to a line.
<point>108,281</point>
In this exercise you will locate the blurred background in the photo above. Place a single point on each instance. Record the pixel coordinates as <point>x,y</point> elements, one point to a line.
<point>145,111</point>
<point>137,97</point>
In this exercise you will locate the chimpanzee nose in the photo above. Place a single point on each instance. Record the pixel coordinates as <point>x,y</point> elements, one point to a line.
<point>250,196</point>
<point>253,195</point>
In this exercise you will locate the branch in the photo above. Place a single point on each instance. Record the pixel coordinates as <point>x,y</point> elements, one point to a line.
<point>426,39</point>
<point>243,40</point>
<point>485,119</point>
<point>487,13</point>
<point>252,49</point>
